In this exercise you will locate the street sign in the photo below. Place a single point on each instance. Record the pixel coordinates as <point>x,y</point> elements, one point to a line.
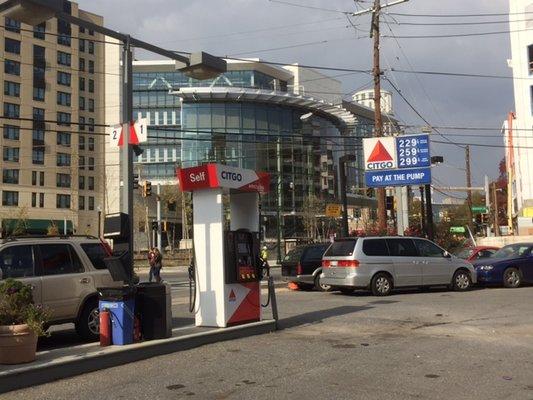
<point>114,133</point>
<point>397,161</point>
<point>380,153</point>
<point>413,151</point>
<point>479,209</point>
<point>457,229</point>
<point>333,210</point>
<point>415,176</point>
<point>138,133</point>
<point>141,129</point>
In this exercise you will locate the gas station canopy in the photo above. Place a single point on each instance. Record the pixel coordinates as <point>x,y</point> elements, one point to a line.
<point>211,176</point>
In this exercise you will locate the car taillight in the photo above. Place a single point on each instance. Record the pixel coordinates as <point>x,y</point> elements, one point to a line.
<point>348,263</point>
<point>326,264</point>
<point>299,270</point>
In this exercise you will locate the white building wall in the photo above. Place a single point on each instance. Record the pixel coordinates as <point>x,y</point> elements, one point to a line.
<point>308,82</point>
<point>523,124</point>
<point>112,116</point>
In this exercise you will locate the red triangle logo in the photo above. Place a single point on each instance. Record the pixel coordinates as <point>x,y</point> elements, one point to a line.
<point>121,137</point>
<point>379,153</point>
<point>133,134</point>
<point>232,296</point>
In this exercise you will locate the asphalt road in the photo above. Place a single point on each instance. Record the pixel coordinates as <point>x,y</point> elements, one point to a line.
<point>422,345</point>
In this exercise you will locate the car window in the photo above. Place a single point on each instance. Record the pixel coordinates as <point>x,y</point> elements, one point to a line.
<point>513,250</point>
<point>428,249</point>
<point>402,248</point>
<point>375,247</point>
<point>485,253</point>
<point>342,248</point>
<point>59,259</point>
<point>315,252</point>
<point>465,253</point>
<point>294,254</point>
<point>96,253</point>
<point>17,262</point>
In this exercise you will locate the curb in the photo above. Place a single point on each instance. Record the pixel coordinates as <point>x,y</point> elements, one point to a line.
<point>26,376</point>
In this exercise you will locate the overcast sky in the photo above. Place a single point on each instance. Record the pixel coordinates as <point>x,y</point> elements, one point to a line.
<point>222,27</point>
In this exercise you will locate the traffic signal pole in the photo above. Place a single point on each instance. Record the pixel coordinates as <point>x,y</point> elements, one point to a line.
<point>159,246</point>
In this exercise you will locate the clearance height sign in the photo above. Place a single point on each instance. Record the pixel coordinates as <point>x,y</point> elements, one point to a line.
<point>397,161</point>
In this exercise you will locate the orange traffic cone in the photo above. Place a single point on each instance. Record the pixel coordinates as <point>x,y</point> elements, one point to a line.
<point>293,286</point>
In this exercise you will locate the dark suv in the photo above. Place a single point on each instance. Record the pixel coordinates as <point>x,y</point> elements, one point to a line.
<point>303,265</point>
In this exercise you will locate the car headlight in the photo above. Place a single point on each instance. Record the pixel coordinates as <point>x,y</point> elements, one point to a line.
<point>486,267</point>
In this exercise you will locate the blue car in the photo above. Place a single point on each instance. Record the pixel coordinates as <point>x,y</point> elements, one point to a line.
<point>510,266</point>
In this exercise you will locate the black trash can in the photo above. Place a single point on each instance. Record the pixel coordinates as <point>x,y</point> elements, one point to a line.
<point>153,305</point>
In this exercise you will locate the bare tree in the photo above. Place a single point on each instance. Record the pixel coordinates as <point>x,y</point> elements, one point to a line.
<point>312,208</point>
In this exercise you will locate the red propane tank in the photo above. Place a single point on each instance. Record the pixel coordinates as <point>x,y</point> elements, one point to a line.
<point>105,328</point>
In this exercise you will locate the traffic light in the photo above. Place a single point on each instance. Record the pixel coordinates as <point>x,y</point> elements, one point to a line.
<point>485,218</point>
<point>135,181</point>
<point>147,188</point>
<point>154,225</point>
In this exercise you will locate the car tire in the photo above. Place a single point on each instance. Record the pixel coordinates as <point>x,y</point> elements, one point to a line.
<point>346,291</point>
<point>88,323</point>
<point>321,287</point>
<point>381,284</point>
<point>512,278</point>
<point>461,281</point>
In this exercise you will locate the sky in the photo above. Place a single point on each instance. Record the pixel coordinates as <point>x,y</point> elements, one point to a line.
<point>283,33</point>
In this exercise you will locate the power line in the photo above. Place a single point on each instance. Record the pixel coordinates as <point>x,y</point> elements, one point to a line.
<point>309,7</point>
<point>457,35</point>
<point>281,48</point>
<point>457,23</point>
<point>459,15</point>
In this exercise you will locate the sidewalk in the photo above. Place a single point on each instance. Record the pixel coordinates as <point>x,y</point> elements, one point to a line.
<point>76,360</point>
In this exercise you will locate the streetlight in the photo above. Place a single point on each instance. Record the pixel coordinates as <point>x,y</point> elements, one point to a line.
<point>197,65</point>
<point>99,210</point>
<point>342,175</point>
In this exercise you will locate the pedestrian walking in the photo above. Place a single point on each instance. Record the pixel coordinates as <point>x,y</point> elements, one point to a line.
<point>158,264</point>
<point>151,263</point>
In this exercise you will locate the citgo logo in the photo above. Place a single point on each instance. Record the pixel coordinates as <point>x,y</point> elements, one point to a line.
<point>379,158</point>
<point>231,176</point>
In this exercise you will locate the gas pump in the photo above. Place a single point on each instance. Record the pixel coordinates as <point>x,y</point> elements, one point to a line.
<point>226,272</point>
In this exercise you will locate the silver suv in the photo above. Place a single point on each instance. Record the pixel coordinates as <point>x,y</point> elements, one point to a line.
<point>383,263</point>
<point>64,273</point>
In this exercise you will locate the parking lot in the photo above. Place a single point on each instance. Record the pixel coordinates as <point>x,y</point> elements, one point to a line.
<point>434,344</point>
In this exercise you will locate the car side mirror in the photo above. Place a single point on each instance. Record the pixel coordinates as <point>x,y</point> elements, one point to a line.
<point>445,254</point>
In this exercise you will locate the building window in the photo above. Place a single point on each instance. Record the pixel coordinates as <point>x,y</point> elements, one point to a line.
<point>37,156</point>
<point>63,28</point>
<point>91,47</point>
<point>81,203</point>
<point>91,32</point>
<point>41,178</point>
<point>39,31</point>
<point>82,45</point>
<point>90,183</point>
<point>63,139</point>
<point>10,176</point>
<point>81,183</point>
<point>63,58</point>
<point>10,198</point>
<point>81,162</point>
<point>12,25</point>
<point>91,66</point>
<point>34,178</point>
<point>81,143</point>
<point>63,180</point>
<point>82,84</point>
<point>82,64</point>
<point>63,201</point>
<point>81,123</point>
<point>91,203</point>
<point>12,89</point>
<point>91,163</point>
<point>91,105</point>
<point>64,99</point>
<point>63,119</point>
<point>12,67</point>
<point>34,199</point>
<point>91,86</point>
<point>91,124</point>
<point>11,110</point>
<point>82,103</point>
<point>91,143</point>
<point>63,160</point>
<point>11,154</point>
<point>12,46</point>
<point>11,132</point>
<point>41,200</point>
<point>63,78</point>
<point>38,94</point>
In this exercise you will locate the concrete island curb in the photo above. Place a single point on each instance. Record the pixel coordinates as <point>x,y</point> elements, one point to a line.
<point>30,375</point>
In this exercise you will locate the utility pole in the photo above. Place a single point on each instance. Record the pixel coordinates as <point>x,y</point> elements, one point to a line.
<point>469,185</point>
<point>495,213</point>
<point>280,200</point>
<point>422,211</point>
<point>378,121</point>
<point>429,211</point>
<point>159,246</point>
<point>487,201</point>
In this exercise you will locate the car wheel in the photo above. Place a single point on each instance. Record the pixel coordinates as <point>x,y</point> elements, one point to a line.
<point>461,281</point>
<point>321,287</point>
<point>512,278</point>
<point>88,324</point>
<point>381,284</point>
<point>346,291</point>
